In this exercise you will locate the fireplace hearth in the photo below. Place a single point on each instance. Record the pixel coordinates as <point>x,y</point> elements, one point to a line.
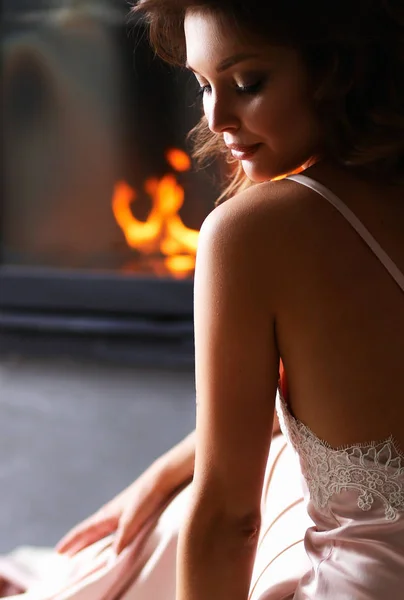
<point>101,204</point>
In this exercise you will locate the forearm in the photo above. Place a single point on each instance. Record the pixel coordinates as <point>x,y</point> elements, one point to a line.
<point>176,466</point>
<point>215,559</point>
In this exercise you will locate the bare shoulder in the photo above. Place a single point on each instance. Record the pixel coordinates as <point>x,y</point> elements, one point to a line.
<point>249,236</point>
<point>255,223</point>
<point>263,205</point>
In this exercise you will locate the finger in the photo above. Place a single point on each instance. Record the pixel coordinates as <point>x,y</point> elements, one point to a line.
<point>127,530</point>
<point>80,539</point>
<point>83,541</point>
<point>122,540</point>
<point>125,535</point>
<point>74,535</point>
<point>86,534</point>
<point>132,522</point>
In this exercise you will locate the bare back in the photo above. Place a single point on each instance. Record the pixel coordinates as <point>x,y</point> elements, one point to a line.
<point>340,330</point>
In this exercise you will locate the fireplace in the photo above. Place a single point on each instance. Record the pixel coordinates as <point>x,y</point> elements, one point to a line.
<point>101,204</point>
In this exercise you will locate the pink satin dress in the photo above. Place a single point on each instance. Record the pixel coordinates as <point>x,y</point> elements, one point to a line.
<point>354,495</point>
<point>332,519</point>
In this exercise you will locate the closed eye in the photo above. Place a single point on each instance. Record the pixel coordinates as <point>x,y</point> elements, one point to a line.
<point>241,89</point>
<point>250,89</point>
<point>203,90</point>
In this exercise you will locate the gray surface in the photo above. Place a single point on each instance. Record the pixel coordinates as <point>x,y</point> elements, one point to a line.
<point>73,434</point>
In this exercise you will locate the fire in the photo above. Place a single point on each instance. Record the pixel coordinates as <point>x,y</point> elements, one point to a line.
<point>178,159</point>
<point>163,234</point>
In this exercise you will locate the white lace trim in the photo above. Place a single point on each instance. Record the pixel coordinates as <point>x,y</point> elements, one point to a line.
<point>374,469</point>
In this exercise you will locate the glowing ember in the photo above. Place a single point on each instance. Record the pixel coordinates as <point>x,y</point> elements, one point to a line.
<point>178,160</point>
<point>163,233</point>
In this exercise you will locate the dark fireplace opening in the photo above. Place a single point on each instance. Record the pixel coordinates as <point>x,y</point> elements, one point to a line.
<point>101,205</point>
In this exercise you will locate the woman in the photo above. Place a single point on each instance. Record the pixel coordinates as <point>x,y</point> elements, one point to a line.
<point>292,271</point>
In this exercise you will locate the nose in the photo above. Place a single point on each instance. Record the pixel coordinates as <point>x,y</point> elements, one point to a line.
<point>221,114</point>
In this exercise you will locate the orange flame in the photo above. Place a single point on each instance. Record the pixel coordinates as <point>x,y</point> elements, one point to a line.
<point>178,160</point>
<point>163,233</point>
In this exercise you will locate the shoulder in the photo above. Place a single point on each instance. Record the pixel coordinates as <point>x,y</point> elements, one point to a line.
<point>254,222</point>
<point>266,205</point>
<point>248,236</point>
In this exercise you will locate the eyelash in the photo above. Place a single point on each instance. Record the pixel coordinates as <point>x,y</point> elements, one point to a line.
<point>245,89</point>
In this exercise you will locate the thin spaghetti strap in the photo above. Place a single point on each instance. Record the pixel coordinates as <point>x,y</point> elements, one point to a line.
<point>367,237</point>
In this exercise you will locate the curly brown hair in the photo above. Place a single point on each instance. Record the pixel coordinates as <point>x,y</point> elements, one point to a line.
<point>354,53</point>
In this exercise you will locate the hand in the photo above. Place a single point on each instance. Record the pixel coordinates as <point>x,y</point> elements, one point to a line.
<point>124,514</point>
<point>129,511</point>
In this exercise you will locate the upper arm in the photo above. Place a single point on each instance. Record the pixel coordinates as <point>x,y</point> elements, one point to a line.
<point>236,359</point>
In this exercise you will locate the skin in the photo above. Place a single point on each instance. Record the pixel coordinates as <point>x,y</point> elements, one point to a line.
<point>325,305</point>
<point>264,99</point>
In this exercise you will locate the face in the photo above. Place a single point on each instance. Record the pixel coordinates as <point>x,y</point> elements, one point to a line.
<point>256,96</point>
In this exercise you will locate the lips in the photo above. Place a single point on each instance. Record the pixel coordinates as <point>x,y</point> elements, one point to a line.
<point>243,152</point>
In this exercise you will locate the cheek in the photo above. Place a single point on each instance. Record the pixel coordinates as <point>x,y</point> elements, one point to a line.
<point>280,112</point>
<point>289,132</point>
<point>288,121</point>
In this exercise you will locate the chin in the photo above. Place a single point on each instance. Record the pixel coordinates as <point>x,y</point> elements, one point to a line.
<point>258,174</point>
<point>260,171</point>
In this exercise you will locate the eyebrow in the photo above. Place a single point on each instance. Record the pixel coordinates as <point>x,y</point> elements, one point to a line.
<point>228,62</point>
